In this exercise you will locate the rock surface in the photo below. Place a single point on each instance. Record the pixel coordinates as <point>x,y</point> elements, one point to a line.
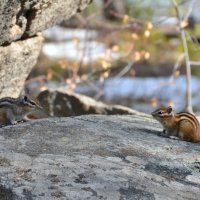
<point>16,62</point>
<point>96,157</point>
<point>22,19</point>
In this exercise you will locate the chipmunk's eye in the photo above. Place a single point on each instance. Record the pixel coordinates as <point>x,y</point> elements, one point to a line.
<point>160,112</point>
<point>25,98</point>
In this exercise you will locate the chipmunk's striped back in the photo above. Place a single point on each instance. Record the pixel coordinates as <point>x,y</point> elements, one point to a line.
<point>187,116</point>
<point>9,99</point>
<point>7,102</point>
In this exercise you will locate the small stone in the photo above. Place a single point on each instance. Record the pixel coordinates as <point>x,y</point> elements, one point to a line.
<point>58,194</point>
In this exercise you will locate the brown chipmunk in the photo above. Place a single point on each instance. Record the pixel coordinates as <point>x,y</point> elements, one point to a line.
<point>182,125</point>
<point>14,110</point>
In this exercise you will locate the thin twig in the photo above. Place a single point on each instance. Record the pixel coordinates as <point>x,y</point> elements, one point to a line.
<point>173,76</point>
<point>195,63</point>
<point>189,10</point>
<point>125,70</point>
<point>176,67</point>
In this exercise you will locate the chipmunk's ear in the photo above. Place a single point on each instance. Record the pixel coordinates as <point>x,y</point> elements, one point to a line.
<point>169,110</point>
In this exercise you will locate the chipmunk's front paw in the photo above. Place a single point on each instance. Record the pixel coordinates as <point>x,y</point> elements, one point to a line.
<point>174,137</point>
<point>11,123</point>
<point>164,133</point>
<point>20,121</point>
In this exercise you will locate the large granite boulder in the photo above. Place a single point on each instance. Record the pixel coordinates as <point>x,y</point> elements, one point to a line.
<point>20,21</point>
<point>16,62</point>
<point>56,103</point>
<point>96,157</point>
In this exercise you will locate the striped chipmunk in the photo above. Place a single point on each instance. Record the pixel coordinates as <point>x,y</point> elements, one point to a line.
<point>183,125</point>
<point>14,110</point>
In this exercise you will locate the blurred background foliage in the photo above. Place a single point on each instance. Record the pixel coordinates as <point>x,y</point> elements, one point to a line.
<point>130,38</point>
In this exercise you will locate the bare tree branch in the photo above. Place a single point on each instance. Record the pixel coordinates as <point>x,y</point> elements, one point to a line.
<point>176,67</point>
<point>189,10</point>
<point>188,105</point>
<point>125,69</point>
<point>195,63</point>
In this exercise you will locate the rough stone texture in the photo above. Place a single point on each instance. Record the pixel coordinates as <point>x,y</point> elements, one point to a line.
<point>21,20</point>
<point>96,157</point>
<point>24,18</point>
<point>65,104</point>
<point>16,62</point>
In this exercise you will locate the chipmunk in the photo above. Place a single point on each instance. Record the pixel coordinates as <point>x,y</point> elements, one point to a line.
<point>14,110</point>
<point>182,125</point>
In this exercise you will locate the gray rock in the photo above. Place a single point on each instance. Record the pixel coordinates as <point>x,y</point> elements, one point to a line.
<point>16,62</point>
<point>22,19</point>
<point>64,104</point>
<point>96,157</point>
